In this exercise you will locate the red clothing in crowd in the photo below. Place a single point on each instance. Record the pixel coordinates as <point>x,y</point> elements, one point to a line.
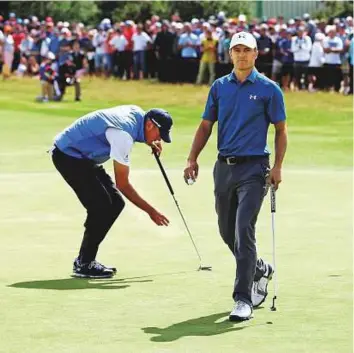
<point>128,34</point>
<point>18,37</point>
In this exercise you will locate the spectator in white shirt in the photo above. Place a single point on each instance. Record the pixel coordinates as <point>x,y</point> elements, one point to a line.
<point>333,47</point>
<point>99,44</point>
<point>140,42</point>
<point>301,47</point>
<point>315,70</point>
<point>119,43</point>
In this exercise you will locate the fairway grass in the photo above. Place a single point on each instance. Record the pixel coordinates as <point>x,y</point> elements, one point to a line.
<point>158,302</point>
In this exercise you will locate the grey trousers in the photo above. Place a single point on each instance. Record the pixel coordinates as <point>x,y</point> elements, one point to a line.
<point>239,191</point>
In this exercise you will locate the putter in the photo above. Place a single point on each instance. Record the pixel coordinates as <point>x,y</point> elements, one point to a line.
<point>272,209</point>
<point>201,267</point>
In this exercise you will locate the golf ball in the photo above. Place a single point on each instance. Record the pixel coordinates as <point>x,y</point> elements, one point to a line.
<point>190,181</point>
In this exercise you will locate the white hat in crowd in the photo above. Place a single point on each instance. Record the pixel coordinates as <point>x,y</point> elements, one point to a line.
<point>242,18</point>
<point>330,28</point>
<point>243,38</point>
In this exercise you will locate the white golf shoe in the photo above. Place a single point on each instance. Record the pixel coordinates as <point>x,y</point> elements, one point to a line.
<point>260,288</point>
<point>241,311</point>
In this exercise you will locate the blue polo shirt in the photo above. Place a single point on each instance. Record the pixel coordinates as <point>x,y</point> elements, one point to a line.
<point>243,112</point>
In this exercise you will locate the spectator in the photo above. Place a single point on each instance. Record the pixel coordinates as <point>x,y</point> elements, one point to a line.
<point>119,43</point>
<point>310,26</point>
<point>26,45</point>
<point>18,36</point>
<point>226,40</point>
<point>140,40</point>
<point>109,53</point>
<point>315,70</point>
<point>242,23</point>
<point>8,50</point>
<point>32,66</point>
<point>150,57</point>
<point>99,44</point>
<point>128,32</point>
<point>22,67</point>
<point>265,52</point>
<point>301,47</point>
<point>343,35</point>
<point>80,61</point>
<point>87,44</point>
<point>47,76</point>
<point>53,34</point>
<point>164,49</point>
<point>188,43</point>
<point>333,47</point>
<point>67,77</point>
<point>287,59</point>
<point>36,46</point>
<point>277,62</point>
<point>351,62</point>
<point>208,59</point>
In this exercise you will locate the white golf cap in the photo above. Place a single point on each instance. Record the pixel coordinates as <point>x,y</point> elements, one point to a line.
<point>243,38</point>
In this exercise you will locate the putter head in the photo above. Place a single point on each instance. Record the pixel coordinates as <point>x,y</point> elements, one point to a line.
<point>204,268</point>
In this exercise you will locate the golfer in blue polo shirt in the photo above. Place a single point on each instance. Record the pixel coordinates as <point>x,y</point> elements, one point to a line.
<point>243,103</point>
<point>78,153</point>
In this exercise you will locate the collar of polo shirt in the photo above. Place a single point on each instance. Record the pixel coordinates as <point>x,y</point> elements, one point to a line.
<point>251,77</point>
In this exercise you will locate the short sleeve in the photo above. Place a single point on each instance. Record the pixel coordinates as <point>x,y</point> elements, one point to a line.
<point>121,145</point>
<point>181,40</point>
<point>276,107</point>
<point>211,107</point>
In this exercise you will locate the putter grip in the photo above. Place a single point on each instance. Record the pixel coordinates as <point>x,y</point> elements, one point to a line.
<point>163,172</point>
<point>272,199</point>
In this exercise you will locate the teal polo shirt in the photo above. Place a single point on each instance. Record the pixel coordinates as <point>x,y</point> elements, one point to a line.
<point>243,112</point>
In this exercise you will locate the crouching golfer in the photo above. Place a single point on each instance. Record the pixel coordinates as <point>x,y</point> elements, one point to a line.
<point>77,154</point>
<point>243,103</point>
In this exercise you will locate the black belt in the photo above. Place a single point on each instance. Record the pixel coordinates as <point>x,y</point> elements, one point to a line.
<point>231,160</point>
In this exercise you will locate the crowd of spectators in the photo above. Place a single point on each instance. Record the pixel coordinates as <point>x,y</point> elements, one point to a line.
<point>300,53</point>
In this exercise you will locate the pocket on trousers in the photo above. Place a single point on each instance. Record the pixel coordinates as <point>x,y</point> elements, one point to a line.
<point>222,177</point>
<point>265,170</point>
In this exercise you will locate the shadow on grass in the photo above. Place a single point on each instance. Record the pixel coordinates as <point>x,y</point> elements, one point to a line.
<point>201,326</point>
<point>75,283</point>
<point>84,283</point>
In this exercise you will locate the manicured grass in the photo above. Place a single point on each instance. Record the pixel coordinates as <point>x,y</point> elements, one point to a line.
<point>158,302</point>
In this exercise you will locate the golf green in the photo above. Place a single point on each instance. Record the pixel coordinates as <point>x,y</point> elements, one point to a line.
<point>159,302</point>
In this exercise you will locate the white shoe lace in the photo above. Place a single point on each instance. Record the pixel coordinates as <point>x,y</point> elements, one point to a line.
<point>240,305</point>
<point>96,265</point>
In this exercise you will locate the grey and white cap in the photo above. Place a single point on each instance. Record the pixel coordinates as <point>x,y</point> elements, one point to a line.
<point>243,38</point>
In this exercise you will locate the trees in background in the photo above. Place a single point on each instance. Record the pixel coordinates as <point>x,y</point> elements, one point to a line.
<point>80,11</point>
<point>91,12</point>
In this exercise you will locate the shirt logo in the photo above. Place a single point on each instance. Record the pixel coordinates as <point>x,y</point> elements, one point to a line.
<point>253,97</point>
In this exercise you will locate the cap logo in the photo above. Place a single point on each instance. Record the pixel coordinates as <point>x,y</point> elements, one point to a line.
<point>241,36</point>
<point>156,123</point>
